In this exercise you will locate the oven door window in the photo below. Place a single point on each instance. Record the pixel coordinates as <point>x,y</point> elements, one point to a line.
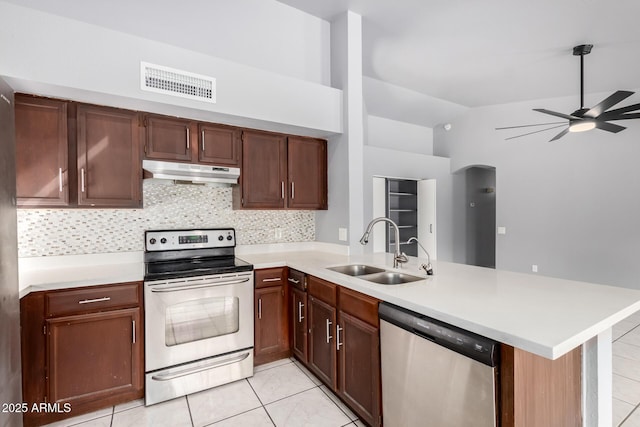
<point>201,319</point>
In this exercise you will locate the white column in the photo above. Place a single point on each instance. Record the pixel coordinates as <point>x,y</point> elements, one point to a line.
<point>597,381</point>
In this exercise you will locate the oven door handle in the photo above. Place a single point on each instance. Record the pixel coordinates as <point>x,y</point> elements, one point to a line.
<point>203,285</point>
<point>189,371</point>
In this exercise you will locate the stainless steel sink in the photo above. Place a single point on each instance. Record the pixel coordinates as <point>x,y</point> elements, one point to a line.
<point>356,269</point>
<point>391,278</point>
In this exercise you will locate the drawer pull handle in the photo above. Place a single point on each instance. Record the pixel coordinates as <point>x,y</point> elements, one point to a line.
<point>89,301</point>
<point>133,330</point>
<point>187,139</point>
<point>260,308</point>
<point>300,316</point>
<point>294,281</point>
<point>329,323</point>
<point>338,343</point>
<point>275,279</point>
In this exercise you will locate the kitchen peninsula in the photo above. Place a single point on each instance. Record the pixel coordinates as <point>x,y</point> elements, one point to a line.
<point>542,316</point>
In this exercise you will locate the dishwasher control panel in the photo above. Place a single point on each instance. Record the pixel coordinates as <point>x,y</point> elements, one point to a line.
<point>470,344</point>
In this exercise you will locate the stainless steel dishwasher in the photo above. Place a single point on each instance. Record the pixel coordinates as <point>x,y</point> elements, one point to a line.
<point>435,374</point>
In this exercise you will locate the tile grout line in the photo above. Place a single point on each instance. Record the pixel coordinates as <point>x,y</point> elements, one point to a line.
<point>627,417</point>
<point>260,400</point>
<point>332,401</point>
<point>186,398</point>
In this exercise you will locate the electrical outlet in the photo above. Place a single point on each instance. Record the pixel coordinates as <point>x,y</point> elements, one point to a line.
<point>502,230</point>
<point>534,268</point>
<point>342,234</point>
<point>277,233</point>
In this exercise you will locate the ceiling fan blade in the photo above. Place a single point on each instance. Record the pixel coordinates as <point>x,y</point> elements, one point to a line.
<point>560,135</point>
<point>536,131</point>
<point>527,126</point>
<point>608,118</point>
<point>609,127</point>
<point>554,113</point>
<point>607,103</point>
<point>619,111</point>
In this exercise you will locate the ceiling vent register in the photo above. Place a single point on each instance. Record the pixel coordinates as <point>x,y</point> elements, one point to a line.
<point>169,81</point>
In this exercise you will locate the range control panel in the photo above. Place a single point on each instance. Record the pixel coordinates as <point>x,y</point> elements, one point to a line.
<point>171,240</point>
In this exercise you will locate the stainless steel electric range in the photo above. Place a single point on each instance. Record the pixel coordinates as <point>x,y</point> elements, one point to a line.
<point>198,312</point>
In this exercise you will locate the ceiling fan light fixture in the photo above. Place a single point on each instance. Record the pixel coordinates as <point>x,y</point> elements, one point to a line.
<point>582,126</point>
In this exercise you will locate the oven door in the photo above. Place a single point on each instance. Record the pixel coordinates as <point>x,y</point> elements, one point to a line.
<point>194,318</point>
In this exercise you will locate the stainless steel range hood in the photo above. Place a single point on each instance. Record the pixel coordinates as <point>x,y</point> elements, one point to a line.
<point>195,173</point>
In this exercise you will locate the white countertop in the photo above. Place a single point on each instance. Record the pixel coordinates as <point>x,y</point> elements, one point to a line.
<point>542,315</point>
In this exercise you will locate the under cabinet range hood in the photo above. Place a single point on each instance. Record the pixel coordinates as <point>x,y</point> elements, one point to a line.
<point>196,173</point>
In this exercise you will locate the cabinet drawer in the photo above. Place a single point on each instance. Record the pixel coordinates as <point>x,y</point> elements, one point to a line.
<point>323,290</point>
<point>270,277</point>
<point>359,305</point>
<point>94,298</point>
<point>296,279</point>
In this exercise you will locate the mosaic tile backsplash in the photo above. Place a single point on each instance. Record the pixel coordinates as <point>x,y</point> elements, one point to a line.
<point>47,232</point>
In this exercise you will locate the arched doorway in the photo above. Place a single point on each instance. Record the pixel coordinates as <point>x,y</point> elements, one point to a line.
<point>475,219</point>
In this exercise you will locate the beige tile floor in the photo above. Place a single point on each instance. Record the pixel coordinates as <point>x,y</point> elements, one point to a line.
<point>282,394</point>
<point>626,372</point>
<point>285,394</point>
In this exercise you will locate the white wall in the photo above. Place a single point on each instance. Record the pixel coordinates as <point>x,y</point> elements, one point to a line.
<point>570,206</point>
<point>345,154</point>
<point>265,34</point>
<point>49,55</point>
<point>396,135</point>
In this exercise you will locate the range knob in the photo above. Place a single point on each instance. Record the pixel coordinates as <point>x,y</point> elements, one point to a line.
<point>152,241</point>
<point>221,238</point>
<point>229,237</point>
<point>163,240</point>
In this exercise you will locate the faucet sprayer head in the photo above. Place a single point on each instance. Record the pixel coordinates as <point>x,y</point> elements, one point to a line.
<point>365,238</point>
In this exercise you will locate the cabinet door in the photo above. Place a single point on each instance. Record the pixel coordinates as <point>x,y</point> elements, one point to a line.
<point>219,145</point>
<point>270,322</point>
<point>167,138</point>
<point>359,367</point>
<point>322,351</point>
<point>307,173</point>
<point>41,152</point>
<point>109,169</point>
<point>299,323</point>
<point>94,356</point>
<point>264,170</point>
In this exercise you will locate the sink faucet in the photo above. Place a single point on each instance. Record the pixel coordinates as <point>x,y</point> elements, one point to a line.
<point>398,257</point>
<point>426,267</point>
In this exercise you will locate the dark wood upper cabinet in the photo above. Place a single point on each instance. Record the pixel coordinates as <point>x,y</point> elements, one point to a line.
<point>109,168</point>
<point>42,172</point>
<point>219,145</point>
<point>282,172</point>
<point>264,170</point>
<point>167,138</point>
<point>307,173</point>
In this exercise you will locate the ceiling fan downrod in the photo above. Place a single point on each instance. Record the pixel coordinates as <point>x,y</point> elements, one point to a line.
<point>582,50</point>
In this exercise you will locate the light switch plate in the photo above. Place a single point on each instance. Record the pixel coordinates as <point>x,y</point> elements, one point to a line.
<point>342,234</point>
<point>502,230</point>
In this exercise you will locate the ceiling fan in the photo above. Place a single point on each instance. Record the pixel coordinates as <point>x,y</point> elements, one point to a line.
<point>584,119</point>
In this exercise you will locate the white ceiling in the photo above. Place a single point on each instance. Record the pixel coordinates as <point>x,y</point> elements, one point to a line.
<point>495,51</point>
<point>467,52</point>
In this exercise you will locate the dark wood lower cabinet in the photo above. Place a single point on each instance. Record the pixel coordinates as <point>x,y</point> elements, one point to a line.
<point>322,350</point>
<point>359,366</point>
<point>299,344</point>
<point>93,356</point>
<point>89,358</point>
<point>271,332</point>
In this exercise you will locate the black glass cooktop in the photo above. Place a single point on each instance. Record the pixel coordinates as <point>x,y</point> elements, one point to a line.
<point>160,270</point>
